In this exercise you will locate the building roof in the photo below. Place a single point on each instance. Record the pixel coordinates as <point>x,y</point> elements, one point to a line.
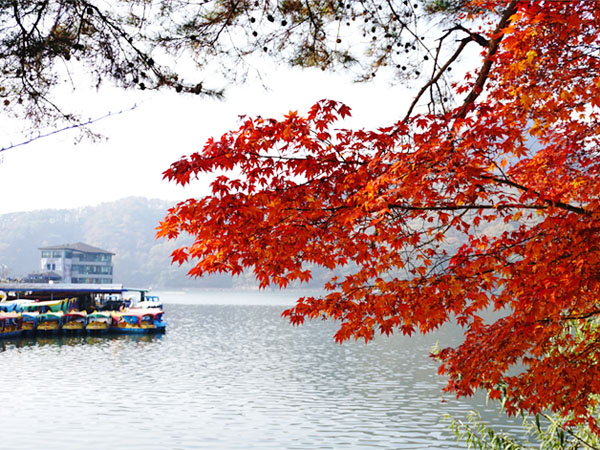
<point>79,247</point>
<point>69,288</point>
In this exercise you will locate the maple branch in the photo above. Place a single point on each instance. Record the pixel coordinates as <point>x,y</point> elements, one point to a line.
<point>475,36</point>
<point>553,203</point>
<point>493,47</point>
<point>297,158</point>
<point>581,317</point>
<point>461,207</point>
<point>435,79</point>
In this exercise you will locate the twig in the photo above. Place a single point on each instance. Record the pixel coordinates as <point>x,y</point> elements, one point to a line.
<point>67,128</point>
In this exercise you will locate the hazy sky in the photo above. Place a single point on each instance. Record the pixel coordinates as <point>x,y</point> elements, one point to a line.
<point>56,173</point>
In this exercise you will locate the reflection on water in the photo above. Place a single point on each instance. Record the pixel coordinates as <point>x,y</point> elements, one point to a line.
<point>60,340</point>
<point>225,376</point>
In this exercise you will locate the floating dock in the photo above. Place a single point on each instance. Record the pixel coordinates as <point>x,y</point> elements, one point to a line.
<point>31,308</point>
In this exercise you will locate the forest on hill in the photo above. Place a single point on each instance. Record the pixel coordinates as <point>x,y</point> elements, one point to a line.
<point>125,227</point>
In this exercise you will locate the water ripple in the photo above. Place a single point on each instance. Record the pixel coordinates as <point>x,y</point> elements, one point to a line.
<point>226,376</point>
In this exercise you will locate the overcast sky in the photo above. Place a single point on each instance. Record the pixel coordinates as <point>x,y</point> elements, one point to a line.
<point>55,172</point>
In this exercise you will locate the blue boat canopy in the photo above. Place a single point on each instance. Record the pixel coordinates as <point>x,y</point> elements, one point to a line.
<point>60,290</point>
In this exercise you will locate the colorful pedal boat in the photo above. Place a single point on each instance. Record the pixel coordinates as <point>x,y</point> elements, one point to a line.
<point>10,324</point>
<point>29,322</point>
<point>47,306</point>
<point>146,320</point>
<point>14,305</point>
<point>74,321</point>
<point>49,322</point>
<point>98,322</point>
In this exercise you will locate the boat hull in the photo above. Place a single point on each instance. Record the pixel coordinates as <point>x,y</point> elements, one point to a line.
<point>138,330</point>
<point>139,321</point>
<point>73,327</point>
<point>48,327</point>
<point>10,324</point>
<point>97,327</point>
<point>9,334</point>
<point>73,330</point>
<point>28,327</point>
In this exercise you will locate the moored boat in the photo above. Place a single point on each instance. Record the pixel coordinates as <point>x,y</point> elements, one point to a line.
<point>74,321</point>
<point>47,306</point>
<point>49,322</point>
<point>98,322</point>
<point>29,322</point>
<point>14,305</point>
<point>146,320</point>
<point>150,301</point>
<point>10,324</point>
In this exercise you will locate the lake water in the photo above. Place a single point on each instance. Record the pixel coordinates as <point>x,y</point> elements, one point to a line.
<point>229,373</point>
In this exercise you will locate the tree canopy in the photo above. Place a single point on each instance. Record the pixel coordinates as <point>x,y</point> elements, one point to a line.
<point>192,47</point>
<point>481,198</point>
<point>481,193</point>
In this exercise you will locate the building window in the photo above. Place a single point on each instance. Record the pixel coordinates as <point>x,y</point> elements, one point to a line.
<point>94,257</point>
<point>92,270</point>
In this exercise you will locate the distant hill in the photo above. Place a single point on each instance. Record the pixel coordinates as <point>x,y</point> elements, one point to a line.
<point>125,227</point>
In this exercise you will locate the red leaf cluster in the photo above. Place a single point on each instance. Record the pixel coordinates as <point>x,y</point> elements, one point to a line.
<point>491,205</point>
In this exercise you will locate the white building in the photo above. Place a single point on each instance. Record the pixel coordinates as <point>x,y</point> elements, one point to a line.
<point>78,263</point>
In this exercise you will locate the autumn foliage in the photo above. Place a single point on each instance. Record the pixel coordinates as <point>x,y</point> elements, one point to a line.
<point>492,204</point>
